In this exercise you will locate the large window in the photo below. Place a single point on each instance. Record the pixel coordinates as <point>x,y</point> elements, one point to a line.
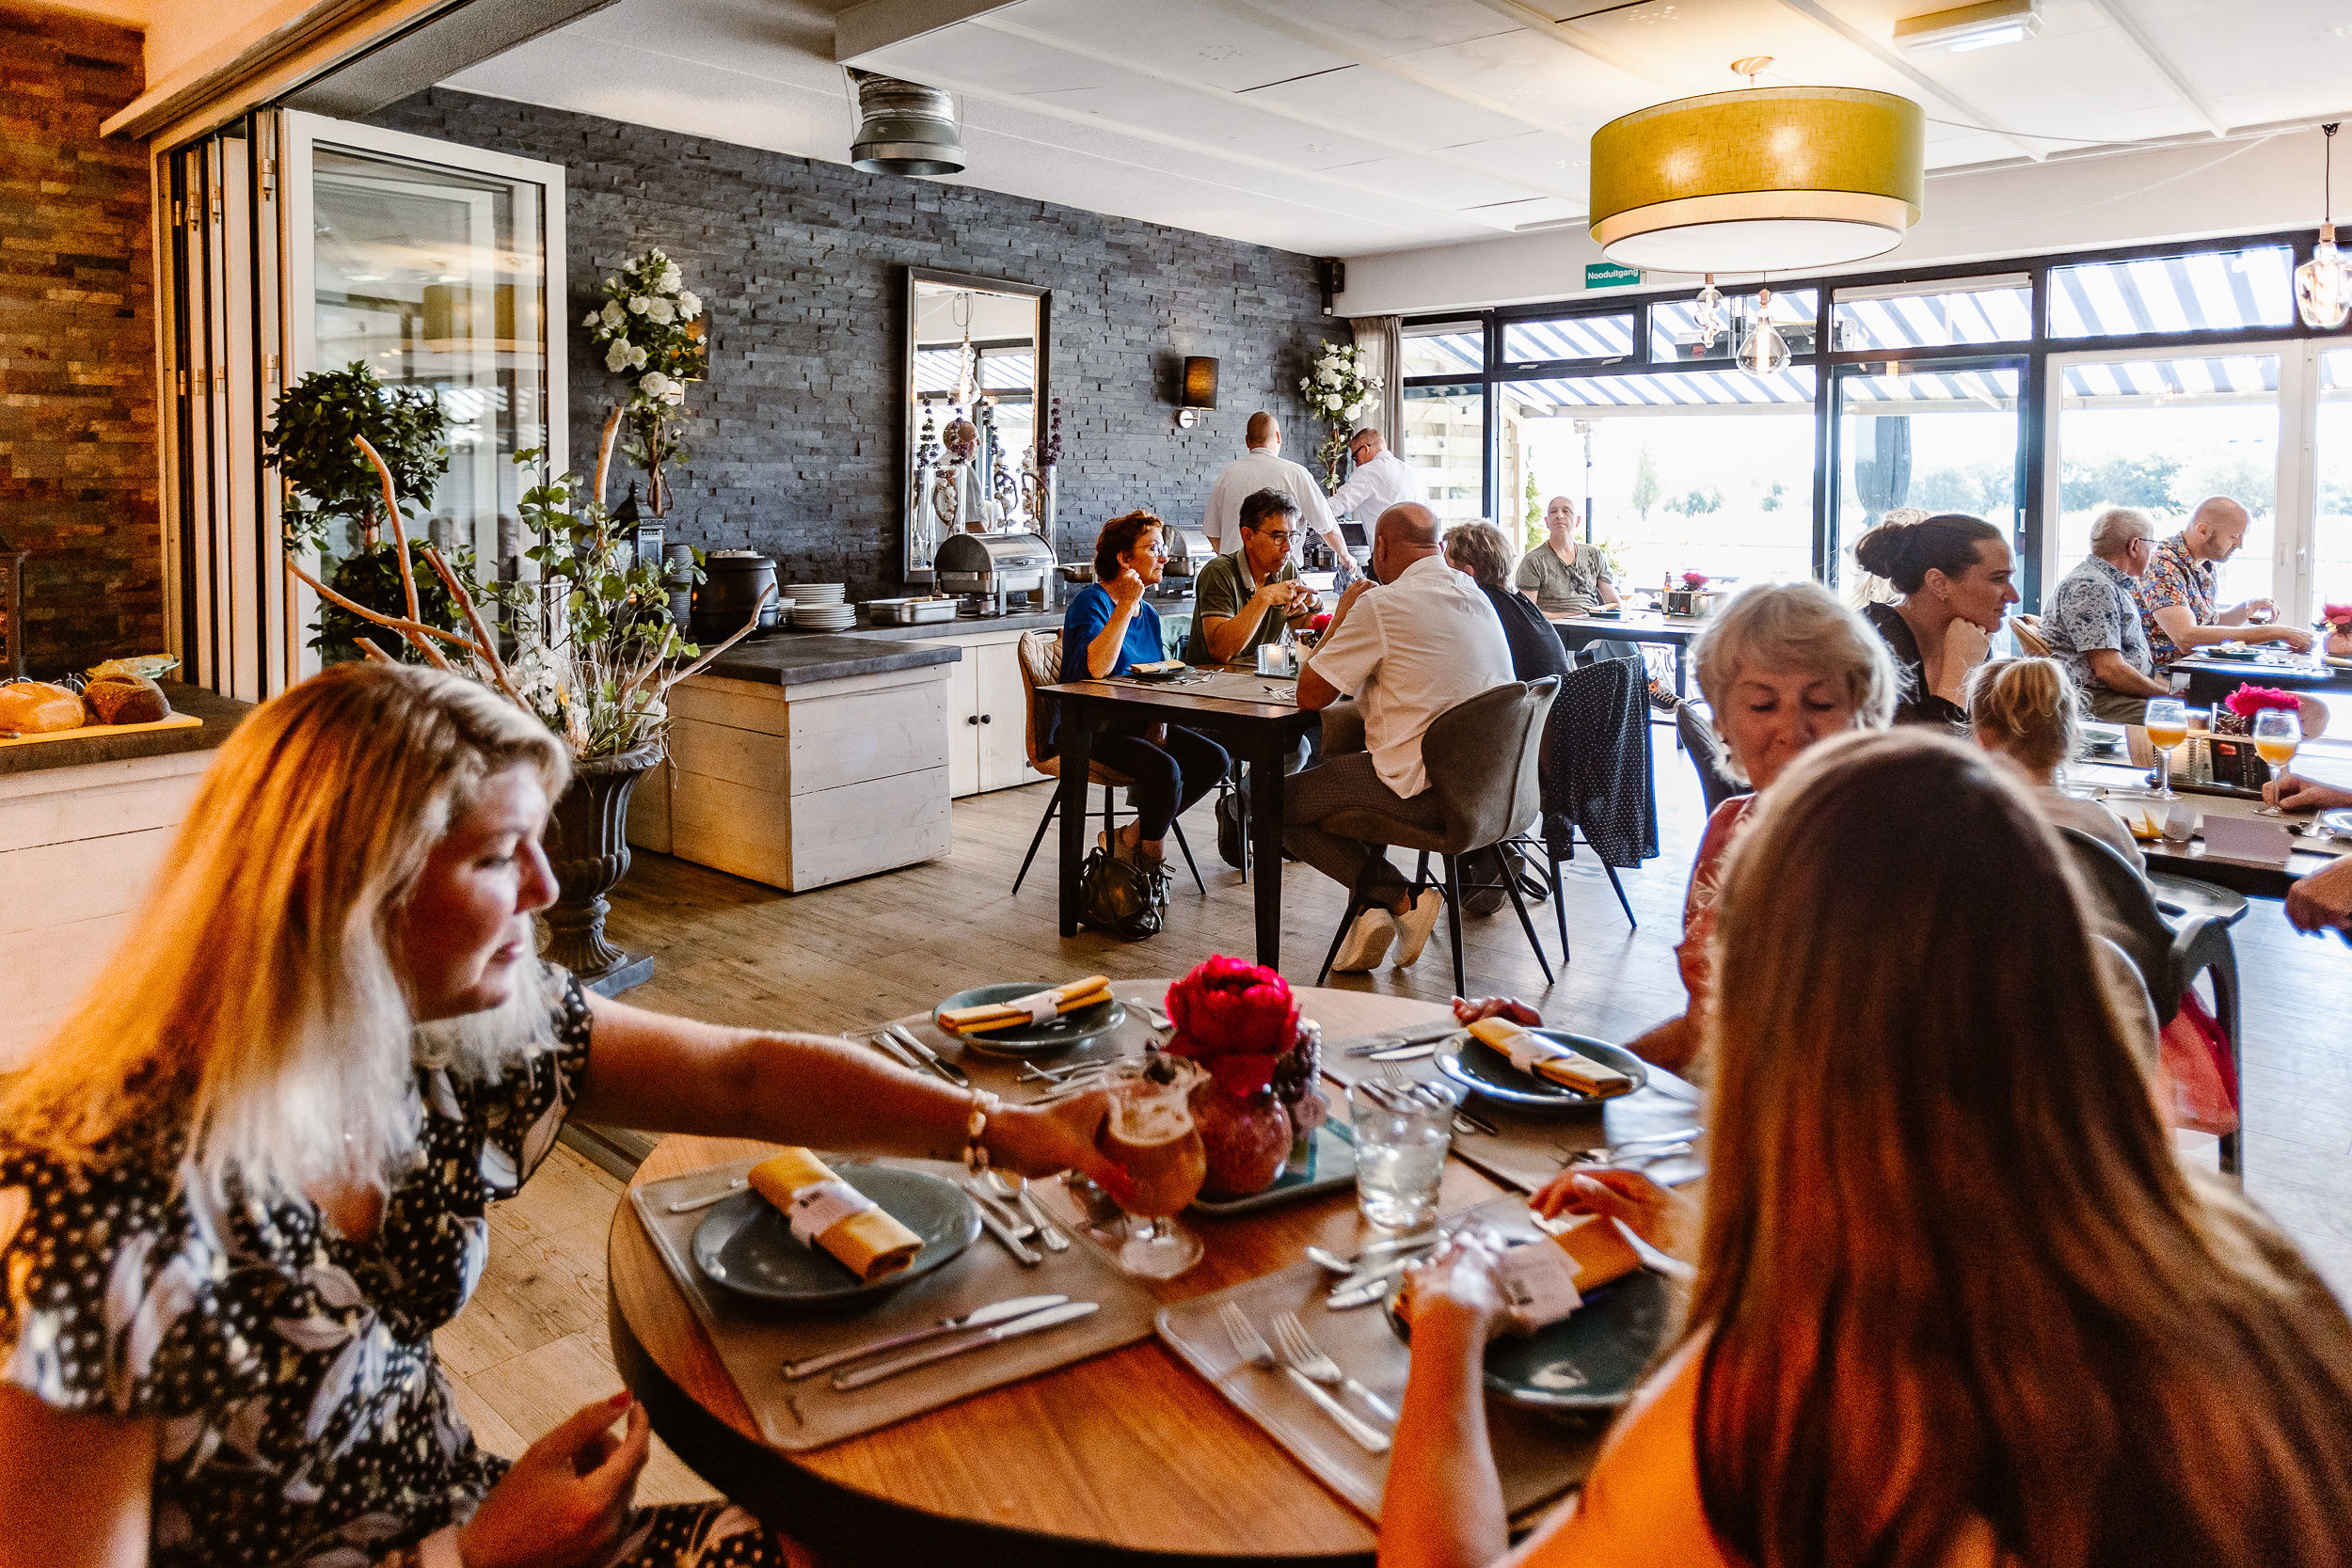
<point>1445,442</point>
<point>2171,374</point>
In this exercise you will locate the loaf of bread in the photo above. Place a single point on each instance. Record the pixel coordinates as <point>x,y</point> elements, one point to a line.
<point>35,707</point>
<point>125,700</point>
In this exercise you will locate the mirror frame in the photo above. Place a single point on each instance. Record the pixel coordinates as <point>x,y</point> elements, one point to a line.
<point>909,500</point>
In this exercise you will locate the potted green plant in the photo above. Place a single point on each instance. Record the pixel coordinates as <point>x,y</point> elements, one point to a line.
<point>338,506</point>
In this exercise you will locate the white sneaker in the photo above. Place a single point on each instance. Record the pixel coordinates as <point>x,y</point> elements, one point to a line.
<point>1367,941</point>
<point>1414,926</point>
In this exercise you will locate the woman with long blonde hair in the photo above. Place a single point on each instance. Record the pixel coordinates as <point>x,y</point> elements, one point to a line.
<point>246,1180</point>
<point>1958,1304</point>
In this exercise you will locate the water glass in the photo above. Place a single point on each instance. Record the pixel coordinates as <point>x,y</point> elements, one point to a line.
<point>1402,1134</point>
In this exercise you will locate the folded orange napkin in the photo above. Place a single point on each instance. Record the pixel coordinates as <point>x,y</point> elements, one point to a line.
<point>1036,1008</point>
<point>1542,1283</point>
<point>1534,1055</point>
<point>827,1212</point>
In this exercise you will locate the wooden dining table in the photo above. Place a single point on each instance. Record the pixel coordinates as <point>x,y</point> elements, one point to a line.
<point>1126,1458</point>
<point>1255,717</point>
<point>2126,784</point>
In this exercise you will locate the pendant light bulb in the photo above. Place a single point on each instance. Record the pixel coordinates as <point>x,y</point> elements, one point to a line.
<point>1706,314</point>
<point>1765,352</point>
<point>2323,285</point>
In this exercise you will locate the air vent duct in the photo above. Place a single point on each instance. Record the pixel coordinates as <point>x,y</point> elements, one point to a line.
<point>905,128</point>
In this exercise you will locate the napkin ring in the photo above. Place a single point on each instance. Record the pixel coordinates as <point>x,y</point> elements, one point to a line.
<point>984,1105</point>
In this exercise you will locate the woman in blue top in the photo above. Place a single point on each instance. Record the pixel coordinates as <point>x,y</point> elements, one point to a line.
<point>1106,628</point>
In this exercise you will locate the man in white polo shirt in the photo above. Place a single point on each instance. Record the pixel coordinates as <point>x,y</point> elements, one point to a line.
<point>1381,479</point>
<point>1264,467</point>
<point>1421,641</point>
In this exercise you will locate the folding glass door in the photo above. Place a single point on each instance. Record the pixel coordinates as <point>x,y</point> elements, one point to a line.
<point>1934,434</point>
<point>300,242</point>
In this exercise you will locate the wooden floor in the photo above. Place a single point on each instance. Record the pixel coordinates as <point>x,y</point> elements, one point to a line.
<point>530,1348</point>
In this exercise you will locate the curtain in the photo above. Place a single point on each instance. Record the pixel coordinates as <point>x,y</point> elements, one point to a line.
<point>1382,339</point>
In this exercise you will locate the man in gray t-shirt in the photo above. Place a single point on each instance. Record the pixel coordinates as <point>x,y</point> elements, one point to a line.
<point>1564,575</point>
<point>2093,625</point>
<point>1244,599</point>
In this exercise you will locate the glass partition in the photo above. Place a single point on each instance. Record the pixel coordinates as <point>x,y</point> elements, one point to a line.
<point>1568,339</point>
<point>1445,348</point>
<point>2212,291</point>
<point>1943,440</point>
<point>1445,443</point>
<point>2331,484</point>
<point>1975,311</point>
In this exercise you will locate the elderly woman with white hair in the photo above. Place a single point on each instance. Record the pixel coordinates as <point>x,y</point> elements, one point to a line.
<point>1782,665</point>
<point>248,1179</point>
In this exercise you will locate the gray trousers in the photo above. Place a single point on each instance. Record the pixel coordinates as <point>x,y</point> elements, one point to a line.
<point>1346,781</point>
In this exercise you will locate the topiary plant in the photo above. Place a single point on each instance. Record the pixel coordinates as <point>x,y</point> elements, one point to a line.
<point>310,443</point>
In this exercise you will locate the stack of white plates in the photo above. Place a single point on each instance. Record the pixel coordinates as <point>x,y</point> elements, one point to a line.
<point>821,607</point>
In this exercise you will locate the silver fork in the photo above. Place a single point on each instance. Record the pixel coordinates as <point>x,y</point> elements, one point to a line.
<point>1251,1347</point>
<point>1301,1350</point>
<point>1463,1121</point>
<point>1247,1342</point>
<point>1018,1190</point>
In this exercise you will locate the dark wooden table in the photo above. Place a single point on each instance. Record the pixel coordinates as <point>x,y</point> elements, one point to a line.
<point>1244,711</point>
<point>1673,631</point>
<point>2255,878</point>
<point>2211,679</point>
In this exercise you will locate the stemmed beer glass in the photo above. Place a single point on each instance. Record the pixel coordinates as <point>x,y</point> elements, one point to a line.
<point>2167,726</point>
<point>1150,1132</point>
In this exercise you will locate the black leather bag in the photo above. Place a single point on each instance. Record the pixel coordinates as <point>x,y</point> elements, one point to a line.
<point>1229,848</point>
<point>1120,899</point>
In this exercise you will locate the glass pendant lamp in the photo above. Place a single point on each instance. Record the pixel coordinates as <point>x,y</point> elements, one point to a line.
<point>1706,314</point>
<point>1766,352</point>
<point>2323,285</point>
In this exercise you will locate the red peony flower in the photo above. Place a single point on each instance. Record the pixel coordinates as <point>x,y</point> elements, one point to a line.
<point>1235,1019</point>
<point>1320,623</point>
<point>2248,699</point>
<point>2338,615</point>
<point>1694,579</point>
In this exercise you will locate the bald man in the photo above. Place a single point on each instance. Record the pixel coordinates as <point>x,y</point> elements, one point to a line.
<point>2176,594</point>
<point>1420,641</point>
<point>1264,467</point>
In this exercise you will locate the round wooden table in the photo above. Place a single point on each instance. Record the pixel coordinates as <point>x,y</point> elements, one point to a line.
<point>1127,1457</point>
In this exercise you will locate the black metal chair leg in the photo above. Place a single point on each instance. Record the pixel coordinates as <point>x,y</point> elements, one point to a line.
<point>1053,805</point>
<point>1622,902</point>
<point>1358,900</point>
<point>1188,859</point>
<point>1559,910</point>
<point>1421,875</point>
<point>1519,902</point>
<point>1453,923</point>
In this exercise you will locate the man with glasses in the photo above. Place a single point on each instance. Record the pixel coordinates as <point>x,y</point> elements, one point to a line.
<point>1244,599</point>
<point>1381,480</point>
<point>1264,467</point>
<point>2094,626</point>
<point>2177,599</point>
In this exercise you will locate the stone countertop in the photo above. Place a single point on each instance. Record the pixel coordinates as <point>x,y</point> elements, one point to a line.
<point>802,658</point>
<point>220,715</point>
<point>971,626</point>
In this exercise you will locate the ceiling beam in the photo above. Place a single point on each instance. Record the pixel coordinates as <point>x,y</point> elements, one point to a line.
<point>1813,10</point>
<point>2129,26</point>
<point>1270,107</point>
<point>872,25</point>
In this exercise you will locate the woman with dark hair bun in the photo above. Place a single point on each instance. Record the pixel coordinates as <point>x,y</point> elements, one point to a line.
<point>1956,578</point>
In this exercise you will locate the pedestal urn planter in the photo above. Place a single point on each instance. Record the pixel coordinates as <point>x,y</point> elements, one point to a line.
<point>587,845</point>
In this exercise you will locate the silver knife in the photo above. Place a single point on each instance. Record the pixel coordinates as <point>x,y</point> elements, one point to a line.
<point>1404,1054</point>
<point>891,1049</point>
<point>1023,1254</point>
<point>1052,1317</point>
<point>931,1058</point>
<point>979,1317</point>
<point>1430,1037</point>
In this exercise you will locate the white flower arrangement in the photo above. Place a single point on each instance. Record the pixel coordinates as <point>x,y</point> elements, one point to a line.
<point>652,328</point>
<point>1340,394</point>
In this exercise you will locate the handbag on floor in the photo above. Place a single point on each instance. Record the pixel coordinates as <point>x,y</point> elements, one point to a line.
<point>1231,834</point>
<point>1121,898</point>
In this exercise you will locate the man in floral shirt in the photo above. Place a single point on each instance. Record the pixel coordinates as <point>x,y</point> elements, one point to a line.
<point>2094,626</point>
<point>2176,596</point>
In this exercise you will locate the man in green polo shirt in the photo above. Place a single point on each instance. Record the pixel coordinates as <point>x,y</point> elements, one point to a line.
<point>1243,599</point>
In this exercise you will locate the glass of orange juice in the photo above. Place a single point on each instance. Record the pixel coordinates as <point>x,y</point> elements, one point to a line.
<point>2277,732</point>
<point>2167,726</point>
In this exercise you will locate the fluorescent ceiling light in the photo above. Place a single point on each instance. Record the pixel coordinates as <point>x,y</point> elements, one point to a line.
<point>1966,27</point>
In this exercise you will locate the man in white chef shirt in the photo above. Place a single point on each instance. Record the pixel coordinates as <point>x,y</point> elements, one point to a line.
<point>1420,641</point>
<point>1381,480</point>
<point>1264,467</point>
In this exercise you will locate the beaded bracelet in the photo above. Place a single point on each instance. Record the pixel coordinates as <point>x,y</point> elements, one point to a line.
<point>984,1105</point>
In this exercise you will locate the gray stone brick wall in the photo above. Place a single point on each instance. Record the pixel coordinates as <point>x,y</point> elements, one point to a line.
<point>795,434</point>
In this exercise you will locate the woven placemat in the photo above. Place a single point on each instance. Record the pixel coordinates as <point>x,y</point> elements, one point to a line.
<point>754,1338</point>
<point>1539,1456</point>
<point>1527,1148</point>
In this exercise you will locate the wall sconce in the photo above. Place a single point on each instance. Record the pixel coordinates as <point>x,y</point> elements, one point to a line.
<point>1199,389</point>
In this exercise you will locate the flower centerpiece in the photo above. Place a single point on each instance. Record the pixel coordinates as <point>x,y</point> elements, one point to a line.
<point>653,333</point>
<point>2235,714</point>
<point>2336,620</point>
<point>1340,394</point>
<point>1695,580</point>
<point>1240,1021</point>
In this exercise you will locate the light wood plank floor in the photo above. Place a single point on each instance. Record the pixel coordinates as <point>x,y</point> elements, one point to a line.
<point>532,1346</point>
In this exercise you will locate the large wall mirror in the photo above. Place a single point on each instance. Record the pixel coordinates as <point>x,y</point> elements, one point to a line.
<point>976,351</point>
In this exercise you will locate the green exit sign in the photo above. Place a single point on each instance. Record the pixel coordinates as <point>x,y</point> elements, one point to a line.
<point>1610,274</point>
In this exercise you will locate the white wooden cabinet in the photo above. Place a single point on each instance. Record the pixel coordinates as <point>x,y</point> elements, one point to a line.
<point>987,715</point>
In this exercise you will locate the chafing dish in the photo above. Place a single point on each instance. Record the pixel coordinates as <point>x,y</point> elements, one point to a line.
<point>994,567</point>
<point>909,611</point>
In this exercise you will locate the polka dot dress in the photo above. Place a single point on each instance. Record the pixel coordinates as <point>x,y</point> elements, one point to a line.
<point>303,1416</point>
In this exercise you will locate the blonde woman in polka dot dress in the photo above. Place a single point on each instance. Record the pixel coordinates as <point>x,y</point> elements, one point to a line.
<point>245,1181</point>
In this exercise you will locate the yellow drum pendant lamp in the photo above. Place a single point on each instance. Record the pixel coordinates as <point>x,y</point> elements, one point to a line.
<point>1759,180</point>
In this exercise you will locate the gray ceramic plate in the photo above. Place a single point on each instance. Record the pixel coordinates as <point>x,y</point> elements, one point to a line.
<point>1031,1040</point>
<point>1483,1069</point>
<point>746,1245</point>
<point>1590,1360</point>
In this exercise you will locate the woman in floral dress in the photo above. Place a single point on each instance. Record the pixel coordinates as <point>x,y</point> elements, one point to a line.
<point>247,1181</point>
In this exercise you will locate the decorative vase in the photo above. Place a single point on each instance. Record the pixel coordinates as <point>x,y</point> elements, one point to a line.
<point>1297,1077</point>
<point>1246,1138</point>
<point>587,845</point>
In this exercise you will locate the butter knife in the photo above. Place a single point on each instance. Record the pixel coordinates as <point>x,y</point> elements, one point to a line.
<point>1430,1037</point>
<point>931,1058</point>
<point>979,1317</point>
<point>1403,1053</point>
<point>1024,1254</point>
<point>1052,1316</point>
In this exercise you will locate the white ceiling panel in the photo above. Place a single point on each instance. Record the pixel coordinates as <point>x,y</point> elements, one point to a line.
<point>1346,127</point>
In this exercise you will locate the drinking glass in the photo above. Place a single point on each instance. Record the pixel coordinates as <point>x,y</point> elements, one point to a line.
<point>2167,726</point>
<point>1150,1132</point>
<point>1402,1134</point>
<point>2277,732</point>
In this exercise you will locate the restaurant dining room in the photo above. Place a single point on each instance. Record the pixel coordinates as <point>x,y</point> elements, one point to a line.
<point>1093,782</point>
